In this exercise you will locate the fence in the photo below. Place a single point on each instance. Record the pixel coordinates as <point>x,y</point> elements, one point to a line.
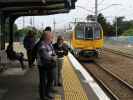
<point>120,39</point>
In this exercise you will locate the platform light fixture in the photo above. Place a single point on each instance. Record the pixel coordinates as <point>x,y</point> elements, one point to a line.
<point>44,1</point>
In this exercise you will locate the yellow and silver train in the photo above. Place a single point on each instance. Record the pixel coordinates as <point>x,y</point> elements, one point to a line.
<point>87,40</point>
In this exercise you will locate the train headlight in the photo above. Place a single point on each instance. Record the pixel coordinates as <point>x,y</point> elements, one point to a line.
<point>99,51</point>
<point>77,51</point>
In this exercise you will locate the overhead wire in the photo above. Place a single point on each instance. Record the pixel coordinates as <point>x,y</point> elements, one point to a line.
<point>100,3</point>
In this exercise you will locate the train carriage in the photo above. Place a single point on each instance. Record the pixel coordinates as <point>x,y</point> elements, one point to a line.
<point>87,40</point>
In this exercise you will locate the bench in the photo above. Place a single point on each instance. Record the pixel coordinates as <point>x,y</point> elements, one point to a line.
<point>4,61</point>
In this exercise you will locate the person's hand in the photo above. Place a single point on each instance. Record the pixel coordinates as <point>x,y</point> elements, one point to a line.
<point>54,58</point>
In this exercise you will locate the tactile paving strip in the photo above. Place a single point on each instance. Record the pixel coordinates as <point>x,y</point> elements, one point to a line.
<point>57,97</point>
<point>73,89</point>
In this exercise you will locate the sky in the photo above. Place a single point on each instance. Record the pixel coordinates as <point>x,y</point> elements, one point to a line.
<point>118,8</point>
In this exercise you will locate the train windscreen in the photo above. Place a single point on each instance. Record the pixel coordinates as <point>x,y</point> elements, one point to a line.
<point>88,31</point>
<point>79,30</point>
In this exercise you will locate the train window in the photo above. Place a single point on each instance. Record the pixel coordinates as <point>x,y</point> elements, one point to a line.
<point>79,30</point>
<point>80,35</point>
<point>97,32</point>
<point>88,32</point>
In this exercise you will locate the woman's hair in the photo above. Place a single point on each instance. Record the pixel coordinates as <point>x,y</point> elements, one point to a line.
<point>60,38</point>
<point>45,33</point>
<point>48,28</point>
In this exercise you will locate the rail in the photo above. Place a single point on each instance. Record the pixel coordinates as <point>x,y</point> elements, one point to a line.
<point>119,53</point>
<point>123,85</point>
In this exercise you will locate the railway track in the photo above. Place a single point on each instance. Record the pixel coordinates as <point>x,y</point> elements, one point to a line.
<point>117,87</point>
<point>119,53</point>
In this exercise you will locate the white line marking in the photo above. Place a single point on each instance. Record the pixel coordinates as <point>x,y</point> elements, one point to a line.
<point>95,87</point>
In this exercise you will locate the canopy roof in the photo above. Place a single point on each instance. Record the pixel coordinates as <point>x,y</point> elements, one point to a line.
<point>35,7</point>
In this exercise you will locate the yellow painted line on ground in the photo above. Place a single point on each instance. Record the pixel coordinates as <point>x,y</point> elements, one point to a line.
<point>57,97</point>
<point>73,89</point>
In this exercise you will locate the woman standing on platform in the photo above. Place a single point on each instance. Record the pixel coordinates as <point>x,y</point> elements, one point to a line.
<point>61,50</point>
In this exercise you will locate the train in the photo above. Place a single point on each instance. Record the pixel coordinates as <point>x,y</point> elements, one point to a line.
<point>87,40</point>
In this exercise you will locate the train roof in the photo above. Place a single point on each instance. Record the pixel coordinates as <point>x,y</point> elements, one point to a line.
<point>87,23</point>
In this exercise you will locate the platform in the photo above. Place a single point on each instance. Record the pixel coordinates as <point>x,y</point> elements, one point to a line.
<point>23,85</point>
<point>18,84</point>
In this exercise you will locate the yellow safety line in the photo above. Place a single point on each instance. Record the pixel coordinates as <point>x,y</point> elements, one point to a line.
<point>73,89</point>
<point>57,97</point>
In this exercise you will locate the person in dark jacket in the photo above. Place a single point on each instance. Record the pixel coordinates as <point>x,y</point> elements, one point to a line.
<point>46,61</point>
<point>61,50</point>
<point>29,43</point>
<point>12,55</point>
<point>34,50</point>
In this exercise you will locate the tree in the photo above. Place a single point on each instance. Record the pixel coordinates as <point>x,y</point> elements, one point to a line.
<point>22,32</point>
<point>123,25</point>
<point>107,27</point>
<point>128,32</point>
<point>120,25</point>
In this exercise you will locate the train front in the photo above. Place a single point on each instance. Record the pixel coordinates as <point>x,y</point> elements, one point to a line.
<point>87,40</point>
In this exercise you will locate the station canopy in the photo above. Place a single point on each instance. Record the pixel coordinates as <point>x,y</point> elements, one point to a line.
<point>35,7</point>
